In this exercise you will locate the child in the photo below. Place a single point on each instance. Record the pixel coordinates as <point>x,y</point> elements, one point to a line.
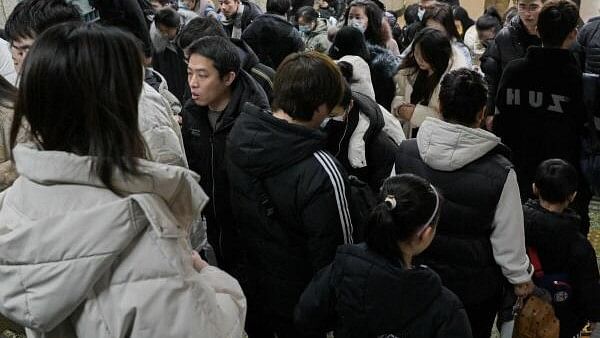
<point>553,230</point>
<point>372,289</point>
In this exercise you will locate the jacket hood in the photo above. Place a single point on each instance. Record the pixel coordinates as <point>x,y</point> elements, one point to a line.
<point>361,75</point>
<point>248,58</point>
<point>418,287</point>
<point>382,57</point>
<point>264,145</point>
<point>50,265</point>
<point>320,29</point>
<point>447,147</point>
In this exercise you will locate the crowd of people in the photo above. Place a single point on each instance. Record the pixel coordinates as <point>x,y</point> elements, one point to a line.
<point>345,171</point>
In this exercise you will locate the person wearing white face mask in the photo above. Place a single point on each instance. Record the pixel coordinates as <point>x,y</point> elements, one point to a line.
<point>313,29</point>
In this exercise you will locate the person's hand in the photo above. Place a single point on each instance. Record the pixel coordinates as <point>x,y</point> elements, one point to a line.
<point>524,289</point>
<point>489,122</point>
<point>405,111</point>
<point>199,263</point>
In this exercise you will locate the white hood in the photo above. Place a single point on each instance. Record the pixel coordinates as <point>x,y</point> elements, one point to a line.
<point>361,76</point>
<point>448,147</point>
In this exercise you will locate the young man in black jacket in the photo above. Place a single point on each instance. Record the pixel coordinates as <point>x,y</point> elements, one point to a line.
<point>219,88</point>
<point>540,108</point>
<point>237,16</point>
<point>289,196</point>
<point>510,43</point>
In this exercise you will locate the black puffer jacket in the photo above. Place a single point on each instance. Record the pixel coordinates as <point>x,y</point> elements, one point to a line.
<point>380,148</point>
<point>510,43</point>
<point>272,38</point>
<point>384,65</point>
<point>280,167</point>
<point>205,150</point>
<point>563,249</point>
<point>363,295</point>
<point>588,41</point>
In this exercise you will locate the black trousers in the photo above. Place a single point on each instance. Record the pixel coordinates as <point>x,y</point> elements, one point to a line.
<point>482,315</point>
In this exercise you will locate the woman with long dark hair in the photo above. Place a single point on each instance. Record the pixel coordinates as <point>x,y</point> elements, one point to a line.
<point>365,16</point>
<point>418,81</point>
<point>98,237</point>
<point>441,18</point>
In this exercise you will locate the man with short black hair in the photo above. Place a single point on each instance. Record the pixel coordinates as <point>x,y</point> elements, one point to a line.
<point>30,18</point>
<point>219,88</point>
<point>271,36</point>
<point>509,44</point>
<point>289,195</point>
<point>540,107</point>
<point>202,27</point>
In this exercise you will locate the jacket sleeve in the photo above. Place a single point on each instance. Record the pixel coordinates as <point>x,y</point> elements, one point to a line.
<point>492,68</point>
<point>230,299</point>
<point>508,234</point>
<point>326,215</point>
<point>586,281</point>
<point>315,312</point>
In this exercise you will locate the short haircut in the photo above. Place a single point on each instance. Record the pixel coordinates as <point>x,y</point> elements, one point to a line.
<point>31,18</point>
<point>555,180</point>
<point>463,94</point>
<point>198,28</point>
<point>411,14</point>
<point>308,13</point>
<point>490,19</point>
<point>280,7</point>
<point>556,21</point>
<point>67,94</point>
<point>221,51</point>
<point>303,82</point>
<point>167,17</point>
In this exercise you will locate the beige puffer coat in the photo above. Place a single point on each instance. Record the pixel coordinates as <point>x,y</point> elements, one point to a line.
<point>78,260</point>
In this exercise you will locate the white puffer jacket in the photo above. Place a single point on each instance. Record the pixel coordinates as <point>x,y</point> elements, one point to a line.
<point>76,260</point>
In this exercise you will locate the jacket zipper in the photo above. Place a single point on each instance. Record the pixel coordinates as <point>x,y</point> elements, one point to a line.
<point>214,200</point>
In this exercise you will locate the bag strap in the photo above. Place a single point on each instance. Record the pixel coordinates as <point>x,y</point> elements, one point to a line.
<point>538,271</point>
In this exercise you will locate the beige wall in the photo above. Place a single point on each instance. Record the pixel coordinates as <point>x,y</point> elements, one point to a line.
<point>589,8</point>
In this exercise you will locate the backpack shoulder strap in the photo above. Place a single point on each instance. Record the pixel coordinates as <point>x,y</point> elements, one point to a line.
<point>535,261</point>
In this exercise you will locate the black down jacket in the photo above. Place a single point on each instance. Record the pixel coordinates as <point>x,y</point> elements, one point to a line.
<point>363,294</point>
<point>588,41</point>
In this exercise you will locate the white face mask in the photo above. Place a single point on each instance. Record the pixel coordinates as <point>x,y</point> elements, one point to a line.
<point>358,24</point>
<point>421,13</point>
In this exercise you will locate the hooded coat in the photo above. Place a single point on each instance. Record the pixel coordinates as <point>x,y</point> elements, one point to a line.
<point>317,38</point>
<point>384,65</point>
<point>362,294</point>
<point>272,38</point>
<point>480,237</point>
<point>282,167</point>
<point>77,260</point>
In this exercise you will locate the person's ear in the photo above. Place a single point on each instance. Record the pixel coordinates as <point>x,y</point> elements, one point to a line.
<point>229,78</point>
<point>480,117</point>
<point>427,234</point>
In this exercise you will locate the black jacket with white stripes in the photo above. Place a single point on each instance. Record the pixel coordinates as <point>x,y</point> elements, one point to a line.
<point>290,202</point>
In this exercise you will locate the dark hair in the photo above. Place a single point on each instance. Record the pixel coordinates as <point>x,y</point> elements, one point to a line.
<point>168,17</point>
<point>198,28</point>
<point>303,82</point>
<point>374,33</point>
<point>490,19</point>
<point>556,21</point>
<point>308,13</point>
<point>436,49</point>
<point>8,93</point>
<point>221,51</point>
<point>509,15</point>
<point>442,13</point>
<point>415,204</point>
<point>411,14</point>
<point>280,7</point>
<point>555,180</point>
<point>79,91</point>
<point>349,41</point>
<point>463,94</point>
<point>31,18</point>
<point>461,15</point>
<point>347,71</point>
